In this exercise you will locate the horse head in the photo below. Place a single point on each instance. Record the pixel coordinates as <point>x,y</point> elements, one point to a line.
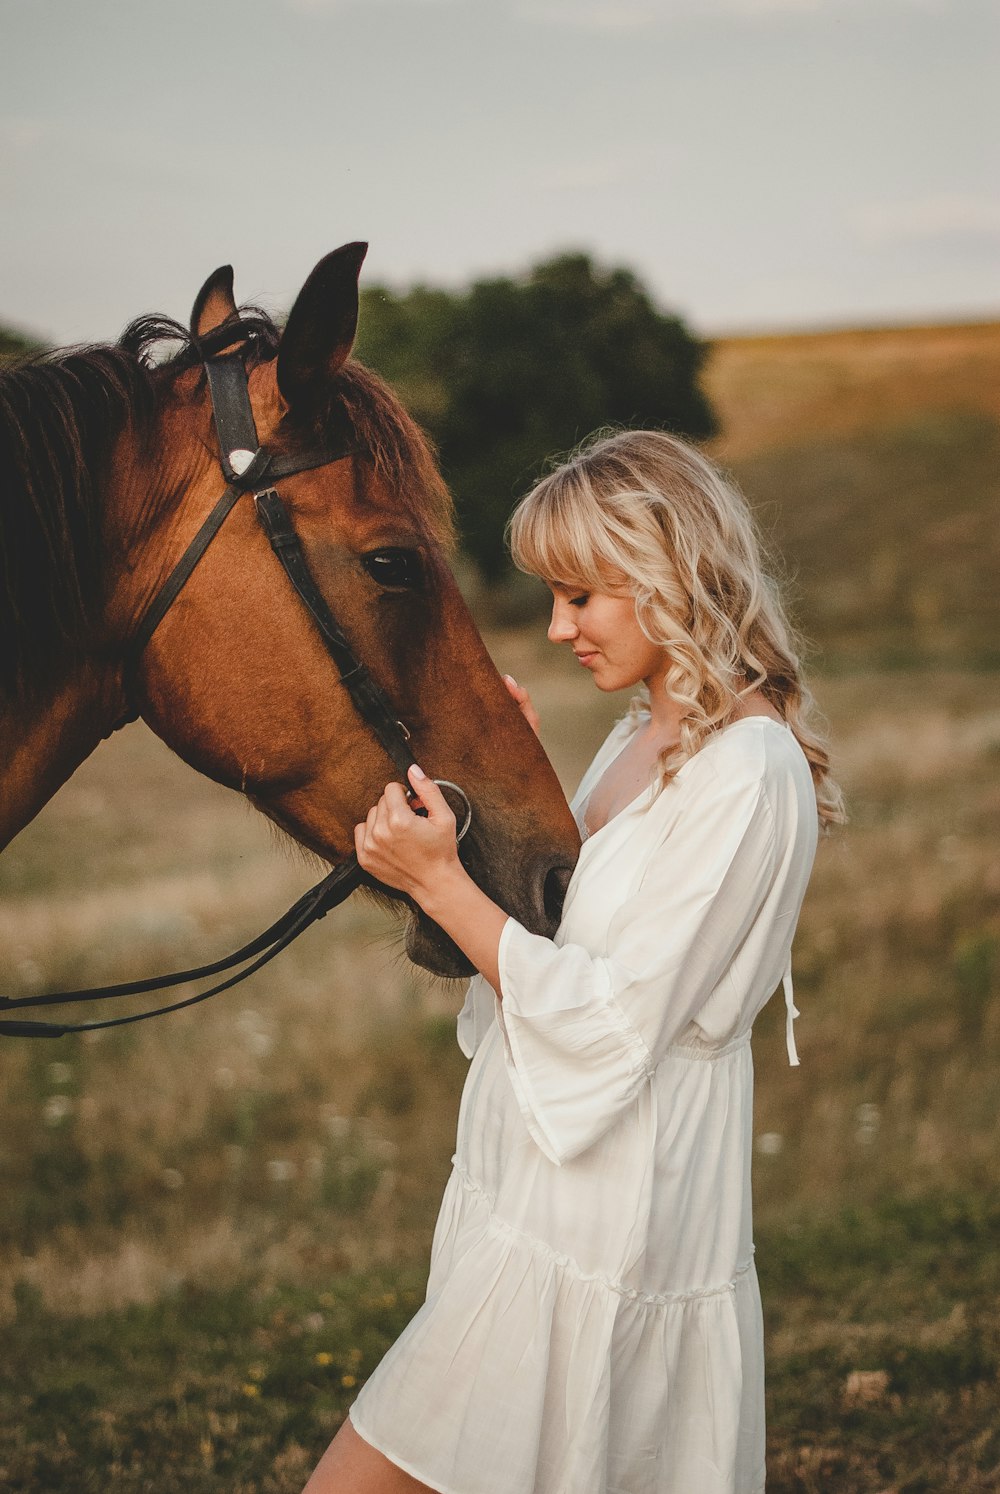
<point>235,677</point>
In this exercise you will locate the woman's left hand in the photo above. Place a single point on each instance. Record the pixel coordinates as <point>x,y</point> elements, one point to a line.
<point>403,849</point>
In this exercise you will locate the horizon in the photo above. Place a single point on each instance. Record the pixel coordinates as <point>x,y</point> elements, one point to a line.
<point>762,166</point>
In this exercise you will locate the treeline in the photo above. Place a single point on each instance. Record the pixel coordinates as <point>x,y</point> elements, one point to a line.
<point>15,344</point>
<point>512,371</point>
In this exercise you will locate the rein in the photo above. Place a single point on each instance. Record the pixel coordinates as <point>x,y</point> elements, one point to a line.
<point>248,469</point>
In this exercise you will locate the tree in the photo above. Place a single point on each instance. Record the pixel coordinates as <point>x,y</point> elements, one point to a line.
<point>512,372</point>
<point>15,344</point>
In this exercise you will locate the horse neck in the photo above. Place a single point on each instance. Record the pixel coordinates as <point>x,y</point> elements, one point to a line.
<point>43,744</point>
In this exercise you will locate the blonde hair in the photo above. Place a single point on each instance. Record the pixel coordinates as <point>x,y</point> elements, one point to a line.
<point>644,513</point>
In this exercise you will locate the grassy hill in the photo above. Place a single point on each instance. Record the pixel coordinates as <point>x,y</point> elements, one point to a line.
<point>213,1227</point>
<point>873,459</point>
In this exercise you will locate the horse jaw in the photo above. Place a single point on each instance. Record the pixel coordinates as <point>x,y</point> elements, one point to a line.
<point>430,947</point>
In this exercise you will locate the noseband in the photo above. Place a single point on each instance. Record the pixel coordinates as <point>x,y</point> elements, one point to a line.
<point>249,469</point>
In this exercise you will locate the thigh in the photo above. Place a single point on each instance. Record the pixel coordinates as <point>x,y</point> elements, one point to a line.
<point>351,1465</point>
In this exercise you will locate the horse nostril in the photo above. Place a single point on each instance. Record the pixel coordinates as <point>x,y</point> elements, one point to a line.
<point>554,888</point>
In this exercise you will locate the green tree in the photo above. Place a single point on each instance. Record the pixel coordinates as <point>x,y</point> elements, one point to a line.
<point>511,372</point>
<point>15,344</point>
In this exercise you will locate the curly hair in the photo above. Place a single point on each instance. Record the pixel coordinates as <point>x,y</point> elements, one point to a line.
<point>643,513</point>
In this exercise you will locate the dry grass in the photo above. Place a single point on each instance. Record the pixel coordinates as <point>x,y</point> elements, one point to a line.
<point>293,1138</point>
<point>772,391</point>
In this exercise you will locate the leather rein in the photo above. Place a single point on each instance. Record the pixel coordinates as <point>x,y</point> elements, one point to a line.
<point>249,469</point>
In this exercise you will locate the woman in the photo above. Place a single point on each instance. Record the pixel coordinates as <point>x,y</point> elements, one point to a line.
<point>592,1322</point>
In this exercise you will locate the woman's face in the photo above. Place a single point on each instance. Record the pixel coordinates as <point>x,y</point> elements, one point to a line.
<point>605,636</point>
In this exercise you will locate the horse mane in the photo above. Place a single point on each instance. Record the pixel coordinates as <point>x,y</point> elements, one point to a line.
<point>61,416</point>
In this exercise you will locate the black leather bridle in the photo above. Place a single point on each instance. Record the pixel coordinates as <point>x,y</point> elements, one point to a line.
<point>248,469</point>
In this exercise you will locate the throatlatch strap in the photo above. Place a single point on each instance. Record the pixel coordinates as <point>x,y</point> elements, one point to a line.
<point>180,574</point>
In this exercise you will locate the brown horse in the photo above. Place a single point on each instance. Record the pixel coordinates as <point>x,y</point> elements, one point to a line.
<point>108,466</point>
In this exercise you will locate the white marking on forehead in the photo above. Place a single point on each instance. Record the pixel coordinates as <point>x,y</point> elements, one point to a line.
<point>240,460</point>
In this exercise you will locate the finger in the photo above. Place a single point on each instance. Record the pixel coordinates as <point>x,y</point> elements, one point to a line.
<point>434,801</point>
<point>521,696</point>
<point>398,808</point>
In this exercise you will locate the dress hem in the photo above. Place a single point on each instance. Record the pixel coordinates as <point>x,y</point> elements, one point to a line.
<point>401,1463</point>
<point>408,1468</point>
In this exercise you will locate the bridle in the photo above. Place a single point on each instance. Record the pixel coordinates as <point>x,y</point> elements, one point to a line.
<point>249,469</point>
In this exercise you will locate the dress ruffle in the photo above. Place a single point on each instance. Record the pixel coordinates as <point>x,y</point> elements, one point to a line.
<point>531,1347</point>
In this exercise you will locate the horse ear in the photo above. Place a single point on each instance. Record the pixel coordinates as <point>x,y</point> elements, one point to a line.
<point>319,333</point>
<point>214,303</point>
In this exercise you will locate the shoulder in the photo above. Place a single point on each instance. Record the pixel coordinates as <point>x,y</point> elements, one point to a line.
<point>756,755</point>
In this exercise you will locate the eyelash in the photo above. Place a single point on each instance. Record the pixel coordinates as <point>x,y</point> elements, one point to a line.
<point>580,601</point>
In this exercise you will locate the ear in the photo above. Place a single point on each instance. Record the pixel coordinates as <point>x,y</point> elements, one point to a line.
<point>319,333</point>
<point>214,303</point>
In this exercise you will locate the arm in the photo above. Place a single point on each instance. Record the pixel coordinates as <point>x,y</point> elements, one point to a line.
<point>420,857</point>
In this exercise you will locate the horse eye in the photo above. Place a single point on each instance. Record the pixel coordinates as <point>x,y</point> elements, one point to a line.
<point>393,567</point>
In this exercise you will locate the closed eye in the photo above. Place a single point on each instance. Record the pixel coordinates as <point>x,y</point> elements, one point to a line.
<point>394,568</point>
<point>580,601</point>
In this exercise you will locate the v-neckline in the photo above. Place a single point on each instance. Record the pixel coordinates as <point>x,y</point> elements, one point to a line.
<point>588,834</point>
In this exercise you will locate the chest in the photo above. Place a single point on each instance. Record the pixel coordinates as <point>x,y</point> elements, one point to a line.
<point>623,780</point>
<point>612,867</point>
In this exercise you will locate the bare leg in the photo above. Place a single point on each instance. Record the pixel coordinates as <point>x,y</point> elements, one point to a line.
<point>351,1465</point>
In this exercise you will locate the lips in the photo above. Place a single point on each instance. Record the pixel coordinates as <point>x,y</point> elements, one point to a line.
<point>586,657</point>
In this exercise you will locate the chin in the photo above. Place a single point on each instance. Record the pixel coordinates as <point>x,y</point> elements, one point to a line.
<point>431,948</point>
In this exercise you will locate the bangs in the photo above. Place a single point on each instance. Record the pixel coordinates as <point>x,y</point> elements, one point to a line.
<point>557,533</point>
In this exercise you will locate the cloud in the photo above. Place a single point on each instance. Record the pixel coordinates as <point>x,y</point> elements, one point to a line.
<point>944,215</point>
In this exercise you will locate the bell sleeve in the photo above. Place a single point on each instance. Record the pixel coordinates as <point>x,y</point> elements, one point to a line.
<point>582,1033</point>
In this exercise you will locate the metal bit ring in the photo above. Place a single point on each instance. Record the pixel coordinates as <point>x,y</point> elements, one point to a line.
<point>446,783</point>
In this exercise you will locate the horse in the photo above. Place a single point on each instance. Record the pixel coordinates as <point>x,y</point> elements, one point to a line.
<point>109,464</point>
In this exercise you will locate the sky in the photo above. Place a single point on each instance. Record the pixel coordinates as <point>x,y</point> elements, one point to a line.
<point>759,164</point>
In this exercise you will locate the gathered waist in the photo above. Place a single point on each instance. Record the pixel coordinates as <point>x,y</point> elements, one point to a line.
<point>706,1054</point>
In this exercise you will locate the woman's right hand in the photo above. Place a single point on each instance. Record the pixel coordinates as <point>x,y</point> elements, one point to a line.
<point>523,700</point>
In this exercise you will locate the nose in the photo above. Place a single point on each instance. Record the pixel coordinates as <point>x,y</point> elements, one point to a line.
<point>554,888</point>
<point>562,626</point>
<point>547,885</point>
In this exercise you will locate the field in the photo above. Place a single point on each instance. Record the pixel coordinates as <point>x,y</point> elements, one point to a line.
<point>214,1225</point>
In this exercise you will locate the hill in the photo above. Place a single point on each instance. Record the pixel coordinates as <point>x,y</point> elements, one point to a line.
<point>873,459</point>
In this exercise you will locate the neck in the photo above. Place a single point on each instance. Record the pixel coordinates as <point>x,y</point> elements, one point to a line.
<point>43,744</point>
<point>665,713</point>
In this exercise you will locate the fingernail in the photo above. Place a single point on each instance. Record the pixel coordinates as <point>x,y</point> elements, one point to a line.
<point>510,679</point>
<point>417,772</point>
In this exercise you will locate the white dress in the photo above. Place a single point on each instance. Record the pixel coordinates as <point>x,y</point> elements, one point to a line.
<point>592,1322</point>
